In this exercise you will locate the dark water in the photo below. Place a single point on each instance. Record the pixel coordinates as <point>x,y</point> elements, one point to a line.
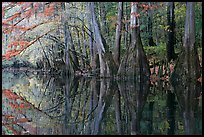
<point>52,105</point>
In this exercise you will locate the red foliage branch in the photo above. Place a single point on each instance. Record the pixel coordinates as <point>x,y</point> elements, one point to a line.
<point>14,52</point>
<point>27,10</point>
<point>10,95</point>
<point>11,18</point>
<point>15,132</point>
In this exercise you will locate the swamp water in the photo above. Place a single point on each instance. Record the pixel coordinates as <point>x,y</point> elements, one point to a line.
<point>52,105</point>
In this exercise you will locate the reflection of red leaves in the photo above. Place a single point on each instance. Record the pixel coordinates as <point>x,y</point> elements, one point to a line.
<point>154,70</point>
<point>10,95</point>
<point>8,116</point>
<point>12,105</point>
<point>20,106</point>
<point>10,125</point>
<point>23,105</point>
<point>154,78</point>
<point>22,120</point>
<point>15,132</point>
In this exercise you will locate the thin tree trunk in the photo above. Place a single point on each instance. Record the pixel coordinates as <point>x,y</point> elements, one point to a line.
<point>79,47</point>
<point>99,42</point>
<point>102,6</point>
<point>91,45</point>
<point>74,55</point>
<point>84,47</point>
<point>171,33</point>
<point>171,112</point>
<point>151,41</point>
<point>118,111</point>
<point>67,56</point>
<point>126,37</point>
<point>118,35</point>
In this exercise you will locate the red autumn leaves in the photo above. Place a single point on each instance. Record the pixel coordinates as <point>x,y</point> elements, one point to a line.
<point>14,30</point>
<point>13,99</point>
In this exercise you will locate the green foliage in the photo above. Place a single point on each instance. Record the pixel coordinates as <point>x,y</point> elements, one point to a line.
<point>198,24</point>
<point>157,53</point>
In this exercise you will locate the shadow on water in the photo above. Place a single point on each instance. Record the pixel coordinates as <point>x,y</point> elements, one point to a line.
<point>52,105</point>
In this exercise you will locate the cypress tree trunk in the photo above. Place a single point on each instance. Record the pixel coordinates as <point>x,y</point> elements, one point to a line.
<point>118,34</point>
<point>105,57</point>
<point>99,43</point>
<point>186,72</point>
<point>92,48</point>
<point>171,33</point>
<point>135,62</point>
<point>187,66</point>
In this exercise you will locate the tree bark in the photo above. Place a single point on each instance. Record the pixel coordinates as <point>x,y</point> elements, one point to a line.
<point>92,48</point>
<point>135,62</point>
<point>149,26</point>
<point>102,9</point>
<point>186,73</point>
<point>99,42</point>
<point>116,54</point>
<point>188,66</point>
<point>171,32</point>
<point>68,69</point>
<point>126,35</point>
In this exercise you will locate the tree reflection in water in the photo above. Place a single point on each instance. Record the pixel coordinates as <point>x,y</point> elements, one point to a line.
<point>188,92</point>
<point>93,106</point>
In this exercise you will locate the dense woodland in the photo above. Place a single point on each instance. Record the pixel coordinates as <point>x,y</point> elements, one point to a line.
<point>100,38</point>
<point>101,68</point>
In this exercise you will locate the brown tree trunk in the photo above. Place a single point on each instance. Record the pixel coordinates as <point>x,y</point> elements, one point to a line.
<point>116,53</point>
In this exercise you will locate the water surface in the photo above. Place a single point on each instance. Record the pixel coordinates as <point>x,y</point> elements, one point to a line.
<point>53,105</point>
